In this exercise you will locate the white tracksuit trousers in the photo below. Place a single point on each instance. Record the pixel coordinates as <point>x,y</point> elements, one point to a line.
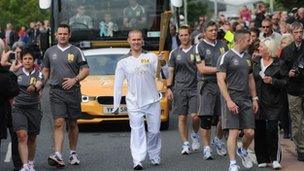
<point>141,143</point>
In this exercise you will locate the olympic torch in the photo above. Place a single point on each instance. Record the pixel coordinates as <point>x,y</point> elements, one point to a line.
<point>164,23</point>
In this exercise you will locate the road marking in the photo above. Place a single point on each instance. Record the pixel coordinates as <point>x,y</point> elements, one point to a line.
<point>8,155</point>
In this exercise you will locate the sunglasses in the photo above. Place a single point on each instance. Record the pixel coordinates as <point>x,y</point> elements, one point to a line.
<point>266,26</point>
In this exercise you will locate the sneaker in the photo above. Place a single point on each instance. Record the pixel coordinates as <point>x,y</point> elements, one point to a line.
<point>25,168</point>
<point>276,165</point>
<point>207,153</point>
<point>73,159</point>
<point>234,167</point>
<point>55,160</point>
<point>31,167</point>
<point>138,166</point>
<point>185,148</point>
<point>155,161</point>
<point>195,141</point>
<point>220,146</point>
<point>262,165</point>
<point>246,161</point>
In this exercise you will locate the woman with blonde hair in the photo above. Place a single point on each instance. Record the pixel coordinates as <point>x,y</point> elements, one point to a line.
<point>286,39</point>
<point>269,86</point>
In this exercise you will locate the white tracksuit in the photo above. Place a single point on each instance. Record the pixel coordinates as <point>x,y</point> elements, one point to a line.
<point>142,100</point>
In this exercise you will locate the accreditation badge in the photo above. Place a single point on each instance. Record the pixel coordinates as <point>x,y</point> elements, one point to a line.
<point>145,61</point>
<point>33,81</point>
<point>178,57</point>
<point>71,57</point>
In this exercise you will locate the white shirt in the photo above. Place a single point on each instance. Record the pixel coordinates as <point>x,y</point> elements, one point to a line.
<point>140,75</point>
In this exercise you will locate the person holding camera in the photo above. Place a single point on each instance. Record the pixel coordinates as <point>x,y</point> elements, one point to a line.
<point>9,89</point>
<point>9,58</point>
<point>292,66</point>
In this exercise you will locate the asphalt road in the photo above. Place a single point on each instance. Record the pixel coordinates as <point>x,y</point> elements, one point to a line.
<point>107,148</point>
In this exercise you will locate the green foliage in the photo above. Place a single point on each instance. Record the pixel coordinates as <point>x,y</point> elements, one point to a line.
<point>289,4</point>
<point>195,9</point>
<point>21,12</point>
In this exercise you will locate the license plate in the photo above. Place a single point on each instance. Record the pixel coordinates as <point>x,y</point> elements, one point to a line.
<point>109,109</point>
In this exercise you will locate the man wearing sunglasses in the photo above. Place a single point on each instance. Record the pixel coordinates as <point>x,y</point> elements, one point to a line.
<point>267,32</point>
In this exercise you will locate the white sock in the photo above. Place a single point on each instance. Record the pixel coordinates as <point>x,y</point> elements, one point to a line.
<point>25,165</point>
<point>30,162</point>
<point>72,151</point>
<point>207,147</point>
<point>232,162</point>
<point>58,154</point>
<point>186,143</point>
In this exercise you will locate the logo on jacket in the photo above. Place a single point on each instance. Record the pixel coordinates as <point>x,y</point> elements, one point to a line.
<point>71,57</point>
<point>235,62</point>
<point>145,61</point>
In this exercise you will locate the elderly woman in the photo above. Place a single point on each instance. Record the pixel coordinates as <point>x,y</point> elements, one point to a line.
<point>286,39</point>
<point>269,85</point>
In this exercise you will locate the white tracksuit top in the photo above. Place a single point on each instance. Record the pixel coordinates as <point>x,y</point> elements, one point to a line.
<point>140,75</point>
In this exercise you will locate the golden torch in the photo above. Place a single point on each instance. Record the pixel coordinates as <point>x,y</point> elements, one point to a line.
<point>164,23</point>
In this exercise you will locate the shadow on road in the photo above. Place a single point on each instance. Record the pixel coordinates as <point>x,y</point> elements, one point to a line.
<point>106,127</point>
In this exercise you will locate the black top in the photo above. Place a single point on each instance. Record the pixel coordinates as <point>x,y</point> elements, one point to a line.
<point>290,57</point>
<point>271,96</point>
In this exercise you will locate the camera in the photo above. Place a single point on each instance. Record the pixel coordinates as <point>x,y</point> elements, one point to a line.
<point>12,57</point>
<point>299,69</point>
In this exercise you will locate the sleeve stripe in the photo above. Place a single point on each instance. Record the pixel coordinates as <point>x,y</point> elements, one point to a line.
<point>82,55</point>
<point>223,57</point>
<point>170,54</point>
<point>196,48</point>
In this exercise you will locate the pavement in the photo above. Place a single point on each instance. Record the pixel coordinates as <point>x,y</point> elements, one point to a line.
<point>289,161</point>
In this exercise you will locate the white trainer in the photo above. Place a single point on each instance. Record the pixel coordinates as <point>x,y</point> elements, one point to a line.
<point>155,161</point>
<point>73,159</point>
<point>246,160</point>
<point>220,146</point>
<point>234,167</point>
<point>207,154</point>
<point>276,165</point>
<point>195,141</point>
<point>185,148</point>
<point>262,165</point>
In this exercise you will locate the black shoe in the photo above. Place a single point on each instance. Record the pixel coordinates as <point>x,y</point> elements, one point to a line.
<point>138,167</point>
<point>300,156</point>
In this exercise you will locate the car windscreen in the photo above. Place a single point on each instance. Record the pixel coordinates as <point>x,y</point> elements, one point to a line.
<point>103,64</point>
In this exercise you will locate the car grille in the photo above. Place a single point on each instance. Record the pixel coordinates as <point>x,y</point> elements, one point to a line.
<point>108,100</point>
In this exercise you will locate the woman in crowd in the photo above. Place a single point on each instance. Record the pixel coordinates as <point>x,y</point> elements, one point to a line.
<point>26,114</point>
<point>269,86</point>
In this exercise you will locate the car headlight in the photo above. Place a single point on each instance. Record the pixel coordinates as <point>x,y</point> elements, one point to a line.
<point>85,98</point>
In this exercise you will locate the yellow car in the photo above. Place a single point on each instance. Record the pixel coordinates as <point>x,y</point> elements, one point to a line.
<point>97,89</point>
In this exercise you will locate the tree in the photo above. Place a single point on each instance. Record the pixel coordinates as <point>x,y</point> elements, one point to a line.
<point>290,3</point>
<point>21,12</point>
<point>196,9</point>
